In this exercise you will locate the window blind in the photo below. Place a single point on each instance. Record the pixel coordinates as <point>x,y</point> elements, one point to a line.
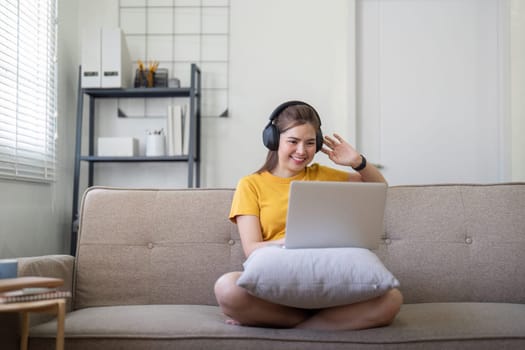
<point>28,91</point>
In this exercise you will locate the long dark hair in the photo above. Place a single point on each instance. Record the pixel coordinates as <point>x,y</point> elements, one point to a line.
<point>290,117</point>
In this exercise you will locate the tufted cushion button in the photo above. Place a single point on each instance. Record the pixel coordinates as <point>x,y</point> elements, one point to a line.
<point>468,240</point>
<point>231,242</point>
<point>150,245</point>
<point>388,241</point>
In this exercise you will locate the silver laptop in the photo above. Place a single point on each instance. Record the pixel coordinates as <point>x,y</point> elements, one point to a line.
<point>325,214</point>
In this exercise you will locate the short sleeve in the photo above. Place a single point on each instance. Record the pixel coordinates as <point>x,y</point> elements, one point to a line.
<point>245,200</point>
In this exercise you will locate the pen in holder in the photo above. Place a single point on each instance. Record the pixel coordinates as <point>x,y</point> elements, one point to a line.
<point>155,144</point>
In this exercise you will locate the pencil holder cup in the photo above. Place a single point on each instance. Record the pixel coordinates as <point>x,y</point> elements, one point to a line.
<point>140,79</point>
<point>8,268</point>
<point>155,145</point>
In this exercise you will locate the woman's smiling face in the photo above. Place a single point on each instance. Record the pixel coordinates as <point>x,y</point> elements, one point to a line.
<point>297,148</point>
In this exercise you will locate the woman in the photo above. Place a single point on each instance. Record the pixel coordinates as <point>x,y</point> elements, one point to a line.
<point>259,208</point>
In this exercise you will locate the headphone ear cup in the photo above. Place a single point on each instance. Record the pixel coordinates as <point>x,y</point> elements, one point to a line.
<point>271,137</point>
<point>319,140</point>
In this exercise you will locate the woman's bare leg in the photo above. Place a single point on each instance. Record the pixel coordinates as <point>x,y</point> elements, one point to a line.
<point>372,313</point>
<point>248,310</point>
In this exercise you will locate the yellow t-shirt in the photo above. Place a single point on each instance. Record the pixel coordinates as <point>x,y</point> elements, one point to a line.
<point>266,196</point>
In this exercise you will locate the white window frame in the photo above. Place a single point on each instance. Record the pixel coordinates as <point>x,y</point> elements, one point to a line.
<point>28,90</point>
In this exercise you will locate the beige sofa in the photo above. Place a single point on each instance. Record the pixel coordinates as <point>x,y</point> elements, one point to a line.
<point>147,261</point>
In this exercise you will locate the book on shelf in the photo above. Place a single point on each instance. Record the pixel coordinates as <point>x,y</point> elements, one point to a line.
<point>174,130</point>
<point>32,294</point>
<point>186,132</point>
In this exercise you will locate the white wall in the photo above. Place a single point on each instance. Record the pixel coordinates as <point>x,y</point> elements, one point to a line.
<point>35,218</point>
<point>279,50</point>
<point>517,36</point>
<point>271,60</point>
<point>433,89</point>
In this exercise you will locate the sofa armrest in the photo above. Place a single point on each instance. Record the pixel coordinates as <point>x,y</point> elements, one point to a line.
<point>58,266</point>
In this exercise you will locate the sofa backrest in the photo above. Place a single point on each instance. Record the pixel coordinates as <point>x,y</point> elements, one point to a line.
<point>443,243</point>
<point>143,246</point>
<point>457,242</point>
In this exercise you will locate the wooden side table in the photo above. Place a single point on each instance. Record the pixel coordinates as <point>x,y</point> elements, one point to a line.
<point>54,306</point>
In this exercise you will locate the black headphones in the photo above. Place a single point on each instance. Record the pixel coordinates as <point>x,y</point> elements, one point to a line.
<point>271,132</point>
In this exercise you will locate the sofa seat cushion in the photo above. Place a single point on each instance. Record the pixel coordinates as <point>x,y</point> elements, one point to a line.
<point>433,325</point>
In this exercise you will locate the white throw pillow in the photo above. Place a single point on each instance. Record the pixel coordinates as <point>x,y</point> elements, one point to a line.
<point>315,278</point>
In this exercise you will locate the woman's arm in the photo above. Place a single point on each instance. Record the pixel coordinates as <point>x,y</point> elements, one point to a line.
<point>369,174</point>
<point>251,235</point>
<point>342,153</point>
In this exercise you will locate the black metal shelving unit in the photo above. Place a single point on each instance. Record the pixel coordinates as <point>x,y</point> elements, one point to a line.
<point>193,93</point>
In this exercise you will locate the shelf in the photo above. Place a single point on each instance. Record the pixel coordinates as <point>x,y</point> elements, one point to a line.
<point>95,159</point>
<point>191,93</point>
<point>138,92</point>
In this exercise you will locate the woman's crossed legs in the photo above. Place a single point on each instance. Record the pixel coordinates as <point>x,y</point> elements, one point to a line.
<point>246,309</point>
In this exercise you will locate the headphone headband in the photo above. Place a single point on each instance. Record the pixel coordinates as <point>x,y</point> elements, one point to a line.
<point>287,104</point>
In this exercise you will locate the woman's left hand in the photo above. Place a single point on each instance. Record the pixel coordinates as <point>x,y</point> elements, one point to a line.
<point>341,152</point>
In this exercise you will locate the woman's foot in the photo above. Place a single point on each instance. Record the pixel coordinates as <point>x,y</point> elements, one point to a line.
<point>232,322</point>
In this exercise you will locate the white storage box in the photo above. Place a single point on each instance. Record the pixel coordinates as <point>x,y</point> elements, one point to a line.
<point>117,147</point>
<point>105,59</point>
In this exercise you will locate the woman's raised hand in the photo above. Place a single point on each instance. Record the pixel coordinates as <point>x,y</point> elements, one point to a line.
<point>341,152</point>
